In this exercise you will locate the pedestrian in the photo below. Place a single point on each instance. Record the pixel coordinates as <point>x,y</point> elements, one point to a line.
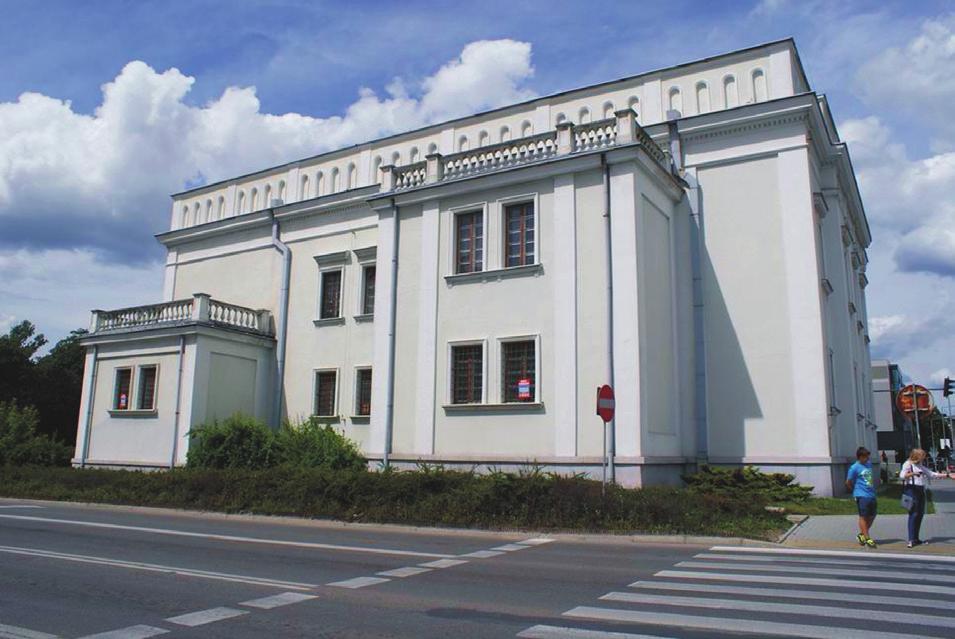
<point>859,481</point>
<point>884,468</point>
<point>915,477</point>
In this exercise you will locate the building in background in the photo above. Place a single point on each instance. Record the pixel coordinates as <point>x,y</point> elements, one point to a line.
<point>444,295</point>
<point>895,431</point>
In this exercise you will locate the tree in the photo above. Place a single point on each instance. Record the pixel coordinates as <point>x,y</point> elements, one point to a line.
<point>17,349</point>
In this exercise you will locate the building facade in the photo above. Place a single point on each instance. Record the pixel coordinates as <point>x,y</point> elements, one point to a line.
<point>693,236</point>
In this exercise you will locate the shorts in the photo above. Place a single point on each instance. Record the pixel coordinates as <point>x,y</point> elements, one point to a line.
<point>867,506</point>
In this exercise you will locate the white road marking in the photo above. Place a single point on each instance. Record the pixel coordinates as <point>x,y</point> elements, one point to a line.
<point>284,599</point>
<point>203,617</point>
<point>19,506</point>
<point>15,632</point>
<point>562,632</point>
<point>837,553</point>
<point>510,547</point>
<point>217,537</point>
<point>904,600</point>
<point>808,581</point>
<point>408,571</point>
<point>483,554</point>
<point>850,564</point>
<point>358,582</point>
<point>727,624</point>
<point>133,632</point>
<point>536,541</point>
<point>134,565</point>
<point>443,563</point>
<point>816,570</point>
<point>781,608</point>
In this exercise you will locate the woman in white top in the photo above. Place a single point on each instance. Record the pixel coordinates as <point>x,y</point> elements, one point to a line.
<point>915,477</point>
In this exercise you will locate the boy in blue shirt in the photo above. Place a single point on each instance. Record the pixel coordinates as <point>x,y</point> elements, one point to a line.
<point>859,481</point>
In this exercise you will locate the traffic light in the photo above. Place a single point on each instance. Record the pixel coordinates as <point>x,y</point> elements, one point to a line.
<point>948,387</point>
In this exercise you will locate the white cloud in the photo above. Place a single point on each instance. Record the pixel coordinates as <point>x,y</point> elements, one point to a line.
<point>69,179</point>
<point>939,376</point>
<point>917,77</point>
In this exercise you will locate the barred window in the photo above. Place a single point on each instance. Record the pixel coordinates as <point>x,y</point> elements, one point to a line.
<point>363,392</point>
<point>467,374</point>
<point>146,397</point>
<point>519,371</point>
<point>331,301</point>
<point>520,239</point>
<point>325,387</point>
<point>124,378</point>
<point>368,290</point>
<point>469,242</point>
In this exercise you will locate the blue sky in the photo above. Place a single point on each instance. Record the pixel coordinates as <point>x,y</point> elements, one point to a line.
<point>85,170</point>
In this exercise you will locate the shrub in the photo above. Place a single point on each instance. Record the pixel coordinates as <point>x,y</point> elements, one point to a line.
<point>244,442</point>
<point>747,482</point>
<point>239,441</point>
<point>20,443</point>
<point>312,445</point>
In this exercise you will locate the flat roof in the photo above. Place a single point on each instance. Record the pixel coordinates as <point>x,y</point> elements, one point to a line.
<point>438,125</point>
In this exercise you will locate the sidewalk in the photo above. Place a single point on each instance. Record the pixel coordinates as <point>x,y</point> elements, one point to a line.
<point>838,531</point>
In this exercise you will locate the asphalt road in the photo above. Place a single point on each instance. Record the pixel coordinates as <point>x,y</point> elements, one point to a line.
<point>80,571</point>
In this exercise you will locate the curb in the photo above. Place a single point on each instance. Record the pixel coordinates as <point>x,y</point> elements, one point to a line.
<point>613,538</point>
<point>798,520</point>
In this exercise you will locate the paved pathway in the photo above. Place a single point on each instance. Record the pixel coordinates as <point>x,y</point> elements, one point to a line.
<point>889,530</point>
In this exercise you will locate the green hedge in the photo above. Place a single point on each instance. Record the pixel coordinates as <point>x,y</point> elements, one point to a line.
<point>429,496</point>
<point>747,483</point>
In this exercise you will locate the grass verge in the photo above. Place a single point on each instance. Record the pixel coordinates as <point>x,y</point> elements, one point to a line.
<point>431,497</point>
<point>889,504</point>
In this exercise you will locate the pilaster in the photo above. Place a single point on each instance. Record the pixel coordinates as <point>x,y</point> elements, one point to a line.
<point>425,395</point>
<point>564,268</point>
<point>383,373</point>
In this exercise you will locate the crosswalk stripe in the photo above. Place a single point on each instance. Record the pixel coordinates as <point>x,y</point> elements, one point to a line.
<point>510,547</point>
<point>837,553</point>
<point>536,541</point>
<point>808,581</point>
<point>815,570</point>
<point>751,626</point>
<point>904,600</point>
<point>484,554</point>
<point>16,632</point>
<point>358,582</point>
<point>781,608</point>
<point>848,563</point>
<point>284,599</point>
<point>563,632</point>
<point>132,632</point>
<point>407,571</point>
<point>444,563</point>
<point>203,617</point>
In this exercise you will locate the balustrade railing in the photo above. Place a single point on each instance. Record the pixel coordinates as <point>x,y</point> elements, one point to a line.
<point>412,175</point>
<point>503,154</point>
<point>596,135</point>
<point>199,308</point>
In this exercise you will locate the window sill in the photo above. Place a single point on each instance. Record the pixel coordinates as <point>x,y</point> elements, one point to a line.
<point>364,317</point>
<point>133,413</point>
<point>495,408</point>
<point>328,419</point>
<point>495,274</point>
<point>360,419</point>
<point>329,321</point>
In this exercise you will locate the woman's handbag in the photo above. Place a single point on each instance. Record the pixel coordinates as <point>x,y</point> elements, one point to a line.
<point>908,499</point>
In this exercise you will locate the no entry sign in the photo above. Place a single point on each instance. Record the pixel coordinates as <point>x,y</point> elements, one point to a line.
<point>605,403</point>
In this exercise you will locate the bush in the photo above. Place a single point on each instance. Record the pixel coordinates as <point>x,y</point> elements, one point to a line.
<point>244,442</point>
<point>312,445</point>
<point>431,496</point>
<point>748,483</point>
<point>20,443</point>
<point>239,441</point>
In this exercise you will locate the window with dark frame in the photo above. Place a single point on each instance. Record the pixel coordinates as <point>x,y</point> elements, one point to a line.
<point>469,242</point>
<point>325,386</point>
<point>146,395</point>
<point>124,378</point>
<point>520,238</point>
<point>368,290</point>
<point>331,295</point>
<point>519,371</point>
<point>467,374</point>
<point>363,392</point>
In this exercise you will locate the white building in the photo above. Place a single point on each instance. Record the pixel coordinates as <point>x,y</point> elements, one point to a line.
<point>444,295</point>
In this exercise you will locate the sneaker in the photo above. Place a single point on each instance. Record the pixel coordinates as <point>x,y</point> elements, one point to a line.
<point>861,539</point>
<point>919,542</point>
<point>910,545</point>
<point>870,543</point>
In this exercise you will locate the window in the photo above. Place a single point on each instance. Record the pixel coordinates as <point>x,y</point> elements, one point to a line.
<point>519,371</point>
<point>469,242</point>
<point>368,290</point>
<point>363,392</point>
<point>124,379</point>
<point>146,393</point>
<point>467,374</point>
<point>331,295</point>
<point>520,240</point>
<point>326,387</point>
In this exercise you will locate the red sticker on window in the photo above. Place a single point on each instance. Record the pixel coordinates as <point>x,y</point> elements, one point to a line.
<point>523,388</point>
